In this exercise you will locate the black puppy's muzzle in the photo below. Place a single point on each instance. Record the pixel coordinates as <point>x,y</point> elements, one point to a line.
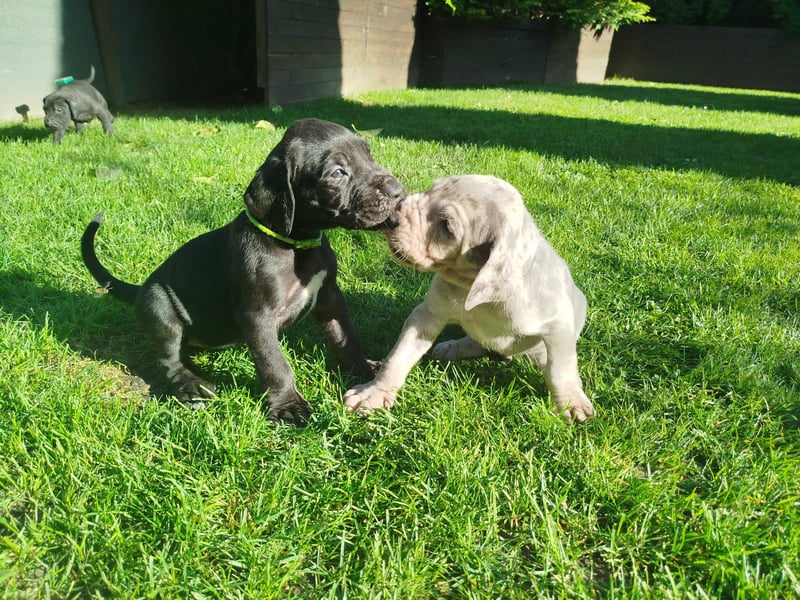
<point>389,193</point>
<point>395,194</point>
<point>371,205</point>
<point>394,190</point>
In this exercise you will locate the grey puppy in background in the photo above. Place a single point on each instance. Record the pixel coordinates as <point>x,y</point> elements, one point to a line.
<point>78,102</point>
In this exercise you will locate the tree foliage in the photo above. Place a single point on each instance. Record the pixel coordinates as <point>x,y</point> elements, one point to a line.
<point>571,13</point>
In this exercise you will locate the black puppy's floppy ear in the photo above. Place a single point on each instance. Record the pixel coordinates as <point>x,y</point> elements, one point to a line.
<point>73,109</point>
<point>269,197</point>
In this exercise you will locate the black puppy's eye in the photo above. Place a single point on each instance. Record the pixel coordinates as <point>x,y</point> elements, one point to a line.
<point>338,173</point>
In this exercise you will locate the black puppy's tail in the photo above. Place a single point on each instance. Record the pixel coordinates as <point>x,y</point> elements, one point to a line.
<point>90,78</point>
<point>119,289</point>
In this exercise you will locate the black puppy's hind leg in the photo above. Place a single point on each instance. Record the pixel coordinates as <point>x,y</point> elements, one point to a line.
<point>158,313</point>
<point>107,120</point>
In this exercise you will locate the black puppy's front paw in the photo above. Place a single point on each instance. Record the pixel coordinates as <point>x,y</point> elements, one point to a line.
<point>291,410</point>
<point>193,390</point>
<point>366,368</point>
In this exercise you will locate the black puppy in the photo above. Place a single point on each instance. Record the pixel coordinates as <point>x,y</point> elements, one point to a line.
<point>267,268</point>
<point>77,101</point>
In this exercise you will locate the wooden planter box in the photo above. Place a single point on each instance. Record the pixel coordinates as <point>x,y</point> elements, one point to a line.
<point>755,58</point>
<point>453,53</point>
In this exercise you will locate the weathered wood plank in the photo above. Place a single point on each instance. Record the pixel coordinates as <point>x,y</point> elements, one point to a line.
<point>348,46</point>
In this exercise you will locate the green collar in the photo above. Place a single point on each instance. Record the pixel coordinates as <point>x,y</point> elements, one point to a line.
<point>299,244</point>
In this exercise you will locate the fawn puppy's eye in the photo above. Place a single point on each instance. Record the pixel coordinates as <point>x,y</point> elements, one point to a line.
<point>446,227</point>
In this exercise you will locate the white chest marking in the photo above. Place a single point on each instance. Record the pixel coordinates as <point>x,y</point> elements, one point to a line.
<point>312,289</point>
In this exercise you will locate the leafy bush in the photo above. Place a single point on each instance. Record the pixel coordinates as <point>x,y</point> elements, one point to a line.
<point>571,13</point>
<point>733,13</point>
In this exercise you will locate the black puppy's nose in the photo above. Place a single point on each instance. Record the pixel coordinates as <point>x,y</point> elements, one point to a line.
<point>394,189</point>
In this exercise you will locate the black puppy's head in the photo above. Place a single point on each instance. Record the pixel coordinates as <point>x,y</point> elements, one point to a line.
<point>57,112</point>
<point>319,176</point>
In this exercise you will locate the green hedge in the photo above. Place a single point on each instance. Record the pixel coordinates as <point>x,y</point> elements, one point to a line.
<point>784,14</point>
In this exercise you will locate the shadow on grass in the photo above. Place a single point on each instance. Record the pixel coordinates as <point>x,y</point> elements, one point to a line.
<point>732,154</point>
<point>106,330</point>
<point>27,133</point>
<point>771,156</point>
<point>95,329</point>
<point>778,104</point>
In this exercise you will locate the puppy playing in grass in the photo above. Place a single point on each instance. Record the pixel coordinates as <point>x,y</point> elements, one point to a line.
<point>497,277</point>
<point>78,102</point>
<point>266,269</point>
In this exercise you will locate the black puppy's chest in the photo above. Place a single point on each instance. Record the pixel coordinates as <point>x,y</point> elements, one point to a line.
<point>289,280</point>
<point>300,298</point>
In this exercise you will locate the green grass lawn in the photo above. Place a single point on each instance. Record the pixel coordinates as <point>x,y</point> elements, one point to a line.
<point>678,211</point>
